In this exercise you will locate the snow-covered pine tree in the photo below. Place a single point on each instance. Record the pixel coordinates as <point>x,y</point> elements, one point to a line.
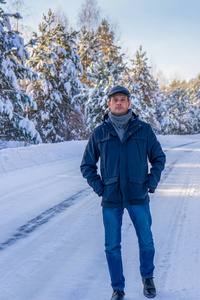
<point>183,116</point>
<point>162,114</point>
<point>13,101</point>
<point>194,94</point>
<point>144,90</point>
<point>89,54</point>
<point>54,57</point>
<point>194,85</point>
<point>88,50</point>
<point>106,37</point>
<point>105,72</point>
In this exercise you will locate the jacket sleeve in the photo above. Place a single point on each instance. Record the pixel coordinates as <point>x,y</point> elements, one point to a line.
<point>89,165</point>
<point>157,160</point>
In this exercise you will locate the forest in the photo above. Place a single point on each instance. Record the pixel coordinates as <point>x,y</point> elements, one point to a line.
<point>54,86</point>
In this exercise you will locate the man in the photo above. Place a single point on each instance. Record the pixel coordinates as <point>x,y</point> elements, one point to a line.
<point>125,145</point>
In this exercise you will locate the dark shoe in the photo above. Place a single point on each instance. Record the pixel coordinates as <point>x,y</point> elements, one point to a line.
<point>149,288</point>
<point>118,295</point>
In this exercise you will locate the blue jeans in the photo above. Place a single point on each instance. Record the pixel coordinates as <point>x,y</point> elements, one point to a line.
<point>141,218</point>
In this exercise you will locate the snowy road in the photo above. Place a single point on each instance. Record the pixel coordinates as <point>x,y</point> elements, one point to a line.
<point>51,231</point>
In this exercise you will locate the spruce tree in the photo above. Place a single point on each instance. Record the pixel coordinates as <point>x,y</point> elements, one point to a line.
<point>183,116</point>
<point>194,85</point>
<point>105,71</point>
<point>88,50</point>
<point>13,101</point>
<point>162,113</point>
<point>106,74</point>
<point>144,90</point>
<point>106,38</point>
<point>54,57</point>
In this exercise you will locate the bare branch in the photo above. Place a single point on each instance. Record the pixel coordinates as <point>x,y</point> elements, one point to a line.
<point>89,15</point>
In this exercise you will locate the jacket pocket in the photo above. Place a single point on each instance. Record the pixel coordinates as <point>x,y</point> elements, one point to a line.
<point>138,187</point>
<point>111,192</point>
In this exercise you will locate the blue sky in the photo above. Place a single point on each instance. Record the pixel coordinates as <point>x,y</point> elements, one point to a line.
<point>168,30</point>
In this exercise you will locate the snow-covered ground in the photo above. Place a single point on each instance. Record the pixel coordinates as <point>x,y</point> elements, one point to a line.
<point>51,231</point>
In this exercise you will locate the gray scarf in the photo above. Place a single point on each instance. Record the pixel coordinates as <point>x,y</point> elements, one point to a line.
<point>120,123</point>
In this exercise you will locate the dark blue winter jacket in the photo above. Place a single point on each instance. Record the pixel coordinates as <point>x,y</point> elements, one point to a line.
<point>124,177</point>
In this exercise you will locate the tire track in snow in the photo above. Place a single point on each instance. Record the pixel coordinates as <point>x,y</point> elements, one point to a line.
<point>29,185</point>
<point>26,229</point>
<point>180,146</point>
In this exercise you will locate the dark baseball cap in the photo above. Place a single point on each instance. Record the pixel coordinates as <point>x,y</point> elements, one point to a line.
<point>118,90</point>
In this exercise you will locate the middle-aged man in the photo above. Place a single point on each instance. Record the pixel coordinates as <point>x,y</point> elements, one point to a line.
<point>124,144</point>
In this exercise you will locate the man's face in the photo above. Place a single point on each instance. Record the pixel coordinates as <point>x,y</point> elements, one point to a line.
<point>119,104</point>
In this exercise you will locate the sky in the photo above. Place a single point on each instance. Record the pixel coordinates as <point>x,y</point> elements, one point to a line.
<point>168,30</point>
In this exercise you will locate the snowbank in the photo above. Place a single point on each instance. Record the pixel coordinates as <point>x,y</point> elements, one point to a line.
<point>24,157</point>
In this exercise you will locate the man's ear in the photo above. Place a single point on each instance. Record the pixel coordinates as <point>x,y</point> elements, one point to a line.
<point>109,103</point>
